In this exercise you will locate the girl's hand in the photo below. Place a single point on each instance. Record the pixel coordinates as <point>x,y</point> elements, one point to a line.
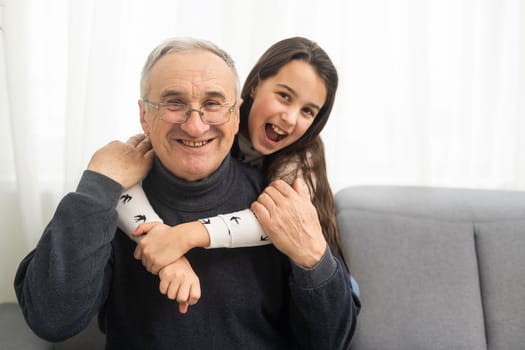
<point>179,282</point>
<point>290,220</point>
<point>161,245</point>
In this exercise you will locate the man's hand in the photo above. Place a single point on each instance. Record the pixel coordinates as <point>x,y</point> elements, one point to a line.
<point>126,163</point>
<point>289,218</point>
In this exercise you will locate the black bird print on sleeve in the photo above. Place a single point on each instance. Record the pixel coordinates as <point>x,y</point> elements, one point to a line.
<point>125,198</point>
<point>140,217</point>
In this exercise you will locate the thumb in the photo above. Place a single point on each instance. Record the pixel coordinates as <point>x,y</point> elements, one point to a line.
<point>301,188</point>
<point>142,229</point>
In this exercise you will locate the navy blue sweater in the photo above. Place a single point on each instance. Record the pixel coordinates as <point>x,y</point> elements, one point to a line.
<point>252,298</point>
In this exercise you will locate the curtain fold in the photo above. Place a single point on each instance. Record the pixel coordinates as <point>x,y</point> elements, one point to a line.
<point>432,92</point>
<point>20,100</point>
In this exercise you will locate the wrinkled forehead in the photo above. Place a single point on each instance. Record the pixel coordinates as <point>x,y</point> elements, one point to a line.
<point>193,75</point>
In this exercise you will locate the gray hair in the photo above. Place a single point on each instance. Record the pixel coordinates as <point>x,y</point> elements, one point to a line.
<point>184,45</point>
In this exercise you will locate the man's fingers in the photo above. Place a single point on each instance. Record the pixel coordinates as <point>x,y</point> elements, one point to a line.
<point>149,154</point>
<point>283,189</point>
<point>278,192</point>
<point>268,198</point>
<point>144,145</point>
<point>261,213</point>
<point>301,188</point>
<point>135,139</point>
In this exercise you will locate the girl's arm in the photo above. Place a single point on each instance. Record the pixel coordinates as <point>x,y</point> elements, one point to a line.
<point>133,209</point>
<point>238,229</point>
<point>233,230</point>
<point>158,245</point>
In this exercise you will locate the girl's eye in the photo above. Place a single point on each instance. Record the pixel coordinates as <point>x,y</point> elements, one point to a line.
<point>309,112</point>
<point>283,95</point>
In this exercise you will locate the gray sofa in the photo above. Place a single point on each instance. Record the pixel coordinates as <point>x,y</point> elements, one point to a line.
<point>16,335</point>
<point>437,269</point>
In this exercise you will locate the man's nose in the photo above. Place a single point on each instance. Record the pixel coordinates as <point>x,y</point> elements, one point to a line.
<point>194,126</point>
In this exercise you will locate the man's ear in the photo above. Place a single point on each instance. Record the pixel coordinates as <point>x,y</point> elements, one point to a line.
<point>237,113</point>
<point>143,121</point>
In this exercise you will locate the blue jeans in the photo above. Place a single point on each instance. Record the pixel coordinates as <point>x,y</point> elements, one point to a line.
<point>355,286</point>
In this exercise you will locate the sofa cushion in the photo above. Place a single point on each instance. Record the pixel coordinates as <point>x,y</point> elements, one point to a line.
<point>417,252</point>
<point>418,280</point>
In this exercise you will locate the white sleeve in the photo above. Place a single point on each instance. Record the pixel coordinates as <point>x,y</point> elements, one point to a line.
<point>238,229</point>
<point>133,208</point>
<point>235,230</point>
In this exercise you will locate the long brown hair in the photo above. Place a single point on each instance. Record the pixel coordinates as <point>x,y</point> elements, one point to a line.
<point>312,166</point>
<point>308,151</point>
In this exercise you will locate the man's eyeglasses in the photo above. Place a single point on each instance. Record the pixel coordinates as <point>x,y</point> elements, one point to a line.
<point>211,113</point>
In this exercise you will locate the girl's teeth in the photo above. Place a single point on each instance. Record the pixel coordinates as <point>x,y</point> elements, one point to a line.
<point>278,131</point>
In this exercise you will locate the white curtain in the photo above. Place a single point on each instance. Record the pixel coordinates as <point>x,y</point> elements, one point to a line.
<point>432,92</point>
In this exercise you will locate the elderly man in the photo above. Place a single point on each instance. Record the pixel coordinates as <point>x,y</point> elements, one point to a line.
<point>83,265</point>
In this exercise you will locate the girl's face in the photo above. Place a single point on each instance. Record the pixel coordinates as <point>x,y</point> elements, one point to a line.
<point>284,106</point>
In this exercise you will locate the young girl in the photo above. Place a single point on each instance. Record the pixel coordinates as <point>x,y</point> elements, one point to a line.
<point>287,98</point>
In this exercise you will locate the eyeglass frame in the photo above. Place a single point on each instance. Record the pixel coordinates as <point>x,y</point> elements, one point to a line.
<point>189,110</point>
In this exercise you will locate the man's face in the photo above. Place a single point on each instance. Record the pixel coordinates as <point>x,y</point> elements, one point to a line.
<point>192,150</point>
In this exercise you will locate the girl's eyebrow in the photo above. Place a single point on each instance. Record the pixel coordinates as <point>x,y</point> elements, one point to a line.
<point>290,90</point>
<point>293,92</point>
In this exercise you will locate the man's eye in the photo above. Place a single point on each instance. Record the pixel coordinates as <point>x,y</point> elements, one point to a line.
<point>211,105</point>
<point>175,107</point>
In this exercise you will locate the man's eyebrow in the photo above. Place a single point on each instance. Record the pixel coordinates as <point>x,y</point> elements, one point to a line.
<point>215,94</point>
<point>208,94</point>
<point>293,92</point>
<point>171,93</point>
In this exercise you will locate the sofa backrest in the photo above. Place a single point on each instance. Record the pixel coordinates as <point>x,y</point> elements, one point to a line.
<point>437,268</point>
